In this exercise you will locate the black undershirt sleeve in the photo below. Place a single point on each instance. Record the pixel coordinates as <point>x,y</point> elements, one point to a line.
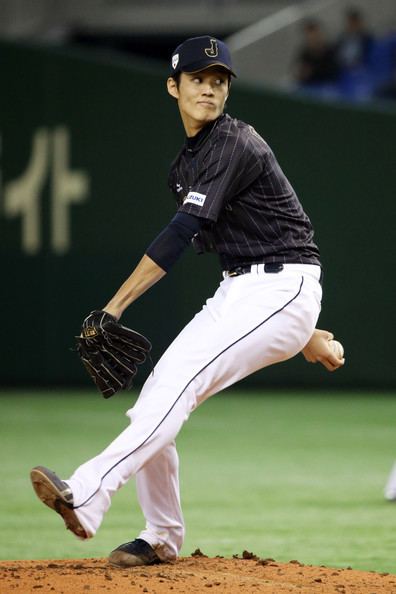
<point>169,245</point>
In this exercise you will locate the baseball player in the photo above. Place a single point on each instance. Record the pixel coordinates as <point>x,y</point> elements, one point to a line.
<point>232,199</point>
<point>390,487</point>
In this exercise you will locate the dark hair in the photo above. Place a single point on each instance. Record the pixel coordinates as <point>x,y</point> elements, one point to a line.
<point>176,77</point>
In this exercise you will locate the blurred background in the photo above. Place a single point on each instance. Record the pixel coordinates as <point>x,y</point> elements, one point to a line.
<point>333,47</point>
<point>88,133</point>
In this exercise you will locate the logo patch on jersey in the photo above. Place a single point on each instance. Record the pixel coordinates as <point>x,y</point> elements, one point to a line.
<point>195,198</point>
<point>213,50</point>
<point>175,61</point>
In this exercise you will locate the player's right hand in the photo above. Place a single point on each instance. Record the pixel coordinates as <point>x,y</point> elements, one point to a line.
<point>318,349</point>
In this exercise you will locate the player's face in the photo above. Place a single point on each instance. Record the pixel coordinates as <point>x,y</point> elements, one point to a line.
<point>201,97</point>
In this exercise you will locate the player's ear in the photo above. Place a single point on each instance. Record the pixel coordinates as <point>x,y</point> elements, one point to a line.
<point>172,87</point>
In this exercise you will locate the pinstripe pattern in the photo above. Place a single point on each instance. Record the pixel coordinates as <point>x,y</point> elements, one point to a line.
<point>204,367</point>
<point>252,212</point>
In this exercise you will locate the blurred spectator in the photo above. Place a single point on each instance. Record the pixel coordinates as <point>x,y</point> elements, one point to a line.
<point>388,91</point>
<point>315,62</point>
<point>355,43</point>
<point>383,62</point>
<point>357,67</point>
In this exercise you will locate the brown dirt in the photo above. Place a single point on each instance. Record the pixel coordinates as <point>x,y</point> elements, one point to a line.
<point>245,573</point>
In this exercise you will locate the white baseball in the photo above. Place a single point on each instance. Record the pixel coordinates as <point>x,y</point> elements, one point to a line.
<point>337,348</point>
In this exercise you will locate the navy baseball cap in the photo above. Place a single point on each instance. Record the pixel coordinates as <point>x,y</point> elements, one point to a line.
<point>198,53</point>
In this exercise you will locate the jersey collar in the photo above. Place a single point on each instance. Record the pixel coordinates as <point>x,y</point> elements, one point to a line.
<point>194,143</point>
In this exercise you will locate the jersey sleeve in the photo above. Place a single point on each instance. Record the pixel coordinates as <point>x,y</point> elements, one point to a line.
<point>229,166</point>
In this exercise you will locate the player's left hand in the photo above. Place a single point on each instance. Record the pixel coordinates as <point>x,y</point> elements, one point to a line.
<point>110,352</point>
<point>318,349</point>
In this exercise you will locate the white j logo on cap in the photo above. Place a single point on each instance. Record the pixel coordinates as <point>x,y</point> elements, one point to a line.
<point>213,50</point>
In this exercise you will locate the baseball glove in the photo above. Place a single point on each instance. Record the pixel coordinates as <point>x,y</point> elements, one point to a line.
<point>110,352</point>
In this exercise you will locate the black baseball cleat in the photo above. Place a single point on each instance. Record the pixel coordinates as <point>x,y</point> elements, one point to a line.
<point>132,554</point>
<point>58,496</point>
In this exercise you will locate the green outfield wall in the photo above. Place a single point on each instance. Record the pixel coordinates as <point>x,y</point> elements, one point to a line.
<point>86,142</point>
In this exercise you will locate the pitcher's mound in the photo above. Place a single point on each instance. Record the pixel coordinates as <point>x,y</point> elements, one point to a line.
<point>189,575</point>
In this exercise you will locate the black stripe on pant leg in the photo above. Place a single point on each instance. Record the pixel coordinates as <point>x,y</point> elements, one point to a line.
<point>186,386</point>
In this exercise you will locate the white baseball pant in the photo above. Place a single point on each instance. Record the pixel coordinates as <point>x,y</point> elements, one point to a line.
<point>253,320</point>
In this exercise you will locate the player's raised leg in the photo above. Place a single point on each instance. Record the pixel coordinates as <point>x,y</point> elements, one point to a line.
<point>215,350</point>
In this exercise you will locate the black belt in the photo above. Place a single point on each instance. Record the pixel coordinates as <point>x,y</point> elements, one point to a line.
<point>271,267</point>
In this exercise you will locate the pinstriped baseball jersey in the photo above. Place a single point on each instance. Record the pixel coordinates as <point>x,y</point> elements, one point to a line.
<point>228,175</point>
